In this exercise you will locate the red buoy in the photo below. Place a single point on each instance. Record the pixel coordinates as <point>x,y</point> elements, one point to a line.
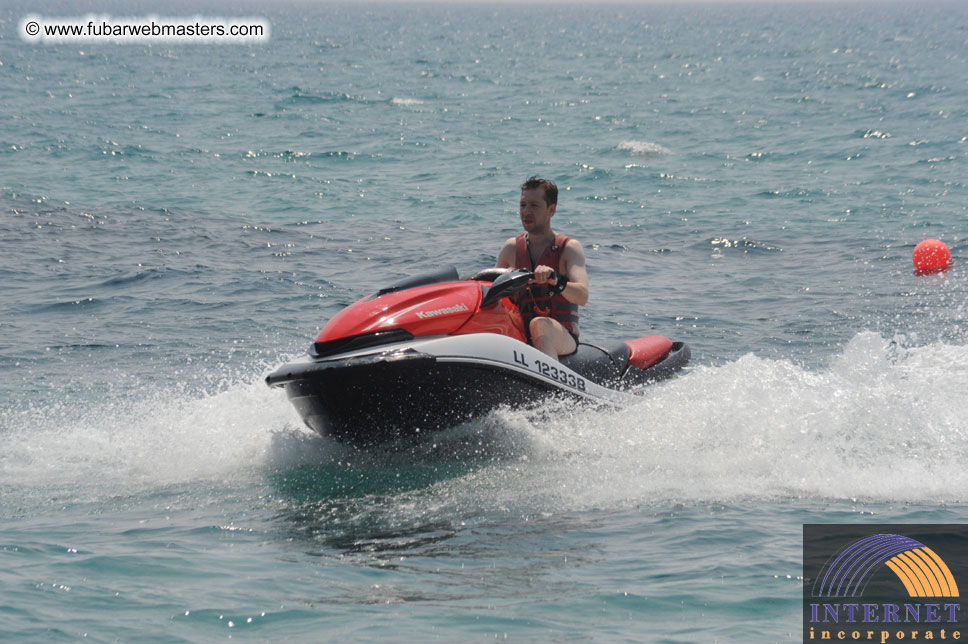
<point>931,255</point>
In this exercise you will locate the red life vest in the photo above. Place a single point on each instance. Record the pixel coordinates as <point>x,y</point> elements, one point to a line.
<point>537,301</point>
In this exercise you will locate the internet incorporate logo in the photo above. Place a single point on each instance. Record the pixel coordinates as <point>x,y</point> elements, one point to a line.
<point>909,592</point>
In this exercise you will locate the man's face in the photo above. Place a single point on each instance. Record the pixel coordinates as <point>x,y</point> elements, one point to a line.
<point>535,213</point>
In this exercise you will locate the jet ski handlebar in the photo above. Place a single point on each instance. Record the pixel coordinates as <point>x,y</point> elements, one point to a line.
<point>508,283</point>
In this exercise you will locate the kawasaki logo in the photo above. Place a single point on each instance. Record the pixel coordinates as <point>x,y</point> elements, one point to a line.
<point>460,308</point>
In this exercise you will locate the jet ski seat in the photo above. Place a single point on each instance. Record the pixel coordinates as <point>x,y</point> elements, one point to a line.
<point>603,365</point>
<point>609,365</point>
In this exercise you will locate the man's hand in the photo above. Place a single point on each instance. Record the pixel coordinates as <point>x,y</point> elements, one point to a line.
<point>545,276</point>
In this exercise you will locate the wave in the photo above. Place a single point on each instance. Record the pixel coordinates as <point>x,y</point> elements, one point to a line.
<point>744,245</point>
<point>642,148</point>
<point>406,102</point>
<point>144,439</point>
<point>299,96</point>
<point>881,423</point>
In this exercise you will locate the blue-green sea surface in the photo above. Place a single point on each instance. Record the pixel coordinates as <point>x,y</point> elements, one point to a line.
<point>178,219</point>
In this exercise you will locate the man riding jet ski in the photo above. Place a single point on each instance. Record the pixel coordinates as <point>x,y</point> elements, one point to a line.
<point>560,284</point>
<point>433,351</point>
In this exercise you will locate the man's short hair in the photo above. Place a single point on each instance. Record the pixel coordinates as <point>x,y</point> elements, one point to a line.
<point>549,187</point>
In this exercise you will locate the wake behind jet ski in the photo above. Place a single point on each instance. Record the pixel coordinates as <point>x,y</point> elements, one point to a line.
<point>433,351</point>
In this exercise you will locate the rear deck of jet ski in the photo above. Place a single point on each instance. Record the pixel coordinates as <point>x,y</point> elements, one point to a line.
<point>615,365</point>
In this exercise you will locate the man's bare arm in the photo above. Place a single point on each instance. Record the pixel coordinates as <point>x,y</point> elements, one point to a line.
<point>505,259</point>
<point>573,260</point>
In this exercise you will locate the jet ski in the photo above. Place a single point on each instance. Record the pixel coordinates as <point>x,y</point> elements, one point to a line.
<point>434,350</point>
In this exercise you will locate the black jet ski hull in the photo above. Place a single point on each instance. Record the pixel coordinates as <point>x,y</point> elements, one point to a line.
<point>371,401</point>
<point>405,392</point>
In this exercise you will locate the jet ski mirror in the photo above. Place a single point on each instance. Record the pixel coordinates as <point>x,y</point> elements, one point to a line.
<point>508,284</point>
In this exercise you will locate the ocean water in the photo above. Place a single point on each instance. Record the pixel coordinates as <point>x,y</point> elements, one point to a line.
<point>178,219</point>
